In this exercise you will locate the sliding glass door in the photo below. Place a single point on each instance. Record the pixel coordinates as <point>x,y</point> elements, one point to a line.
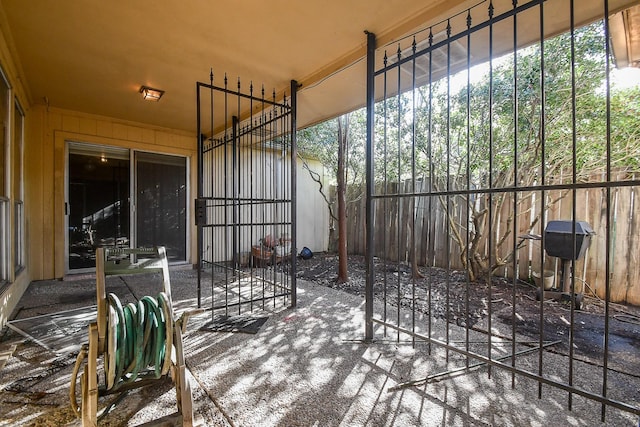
<point>161,203</point>
<point>98,202</point>
<point>116,202</point>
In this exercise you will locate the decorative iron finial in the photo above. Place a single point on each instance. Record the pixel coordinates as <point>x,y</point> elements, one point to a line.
<point>469,18</point>
<point>448,28</point>
<point>430,37</point>
<point>385,58</point>
<point>414,45</point>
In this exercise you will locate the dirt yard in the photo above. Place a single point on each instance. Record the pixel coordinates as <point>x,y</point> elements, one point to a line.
<point>589,321</point>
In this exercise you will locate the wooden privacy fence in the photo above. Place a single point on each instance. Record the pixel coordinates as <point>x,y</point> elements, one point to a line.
<point>436,246</point>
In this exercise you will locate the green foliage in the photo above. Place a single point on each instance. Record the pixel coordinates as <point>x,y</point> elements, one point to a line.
<point>321,142</point>
<point>491,131</point>
<point>493,127</point>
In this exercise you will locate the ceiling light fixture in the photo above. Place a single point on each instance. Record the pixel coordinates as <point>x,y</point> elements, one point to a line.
<point>151,94</point>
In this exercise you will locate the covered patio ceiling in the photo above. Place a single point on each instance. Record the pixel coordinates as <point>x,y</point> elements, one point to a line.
<point>93,56</point>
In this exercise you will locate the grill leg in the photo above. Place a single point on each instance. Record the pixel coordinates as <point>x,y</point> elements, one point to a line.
<point>566,276</point>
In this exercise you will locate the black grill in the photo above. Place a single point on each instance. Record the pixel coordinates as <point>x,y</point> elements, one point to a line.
<point>559,238</point>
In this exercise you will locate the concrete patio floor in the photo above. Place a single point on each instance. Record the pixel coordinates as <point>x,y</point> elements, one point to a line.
<point>306,366</point>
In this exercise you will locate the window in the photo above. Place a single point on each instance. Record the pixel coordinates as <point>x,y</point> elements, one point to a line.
<point>18,189</point>
<point>4,178</point>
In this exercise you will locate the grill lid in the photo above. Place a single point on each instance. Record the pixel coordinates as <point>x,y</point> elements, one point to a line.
<point>559,239</point>
<point>566,227</point>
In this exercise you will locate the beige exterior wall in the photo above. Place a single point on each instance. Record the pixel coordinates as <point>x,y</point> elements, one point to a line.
<point>52,129</point>
<point>47,131</point>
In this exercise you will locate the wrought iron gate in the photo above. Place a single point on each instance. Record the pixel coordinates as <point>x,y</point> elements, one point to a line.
<point>472,158</point>
<point>245,210</point>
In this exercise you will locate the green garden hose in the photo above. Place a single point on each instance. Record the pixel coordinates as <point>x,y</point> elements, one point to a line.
<point>139,339</point>
<point>139,342</point>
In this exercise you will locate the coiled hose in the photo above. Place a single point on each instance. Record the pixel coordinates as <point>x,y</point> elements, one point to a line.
<point>139,340</point>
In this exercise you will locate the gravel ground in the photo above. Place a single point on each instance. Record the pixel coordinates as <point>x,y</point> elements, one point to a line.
<point>448,291</point>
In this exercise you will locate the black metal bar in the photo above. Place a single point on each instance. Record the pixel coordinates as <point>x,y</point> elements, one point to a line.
<point>465,33</point>
<point>572,61</point>
<point>225,183</point>
<point>607,299</point>
<point>430,239</point>
<point>448,187</point>
<point>244,200</point>
<point>385,242</point>
<point>294,192</point>
<point>468,186</point>
<point>413,253</point>
<point>251,197</point>
<point>212,176</point>
<point>235,179</point>
<point>543,195</point>
<point>241,303</point>
<point>499,190</point>
<point>514,247</point>
<point>247,224</point>
<point>200,191</point>
<point>466,369</point>
<point>262,131</point>
<point>370,102</point>
<point>226,90</point>
<point>490,196</point>
<point>527,374</point>
<point>400,187</point>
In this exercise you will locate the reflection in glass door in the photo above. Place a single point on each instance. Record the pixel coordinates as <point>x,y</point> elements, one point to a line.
<point>161,203</point>
<point>98,202</point>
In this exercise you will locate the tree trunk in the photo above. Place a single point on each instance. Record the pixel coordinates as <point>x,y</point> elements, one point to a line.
<point>343,128</point>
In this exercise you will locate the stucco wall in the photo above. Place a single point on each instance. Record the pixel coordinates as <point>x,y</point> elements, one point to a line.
<point>313,213</point>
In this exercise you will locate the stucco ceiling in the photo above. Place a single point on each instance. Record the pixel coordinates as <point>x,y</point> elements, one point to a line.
<point>92,56</point>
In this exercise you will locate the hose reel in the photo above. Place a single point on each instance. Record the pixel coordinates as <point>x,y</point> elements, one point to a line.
<point>139,342</point>
<point>139,337</point>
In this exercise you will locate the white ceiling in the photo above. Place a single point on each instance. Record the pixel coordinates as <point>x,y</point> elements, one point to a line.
<point>93,55</point>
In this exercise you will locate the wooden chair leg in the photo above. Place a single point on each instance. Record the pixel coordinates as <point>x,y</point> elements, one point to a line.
<point>89,381</point>
<point>183,390</point>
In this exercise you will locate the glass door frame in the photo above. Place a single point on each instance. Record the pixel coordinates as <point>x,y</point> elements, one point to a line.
<point>132,200</point>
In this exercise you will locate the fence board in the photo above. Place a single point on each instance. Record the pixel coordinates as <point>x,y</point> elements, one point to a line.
<point>524,254</point>
<point>393,219</point>
<point>620,236</point>
<point>633,256</point>
<point>599,247</point>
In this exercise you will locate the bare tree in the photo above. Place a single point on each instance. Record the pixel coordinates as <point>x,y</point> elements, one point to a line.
<point>343,135</point>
